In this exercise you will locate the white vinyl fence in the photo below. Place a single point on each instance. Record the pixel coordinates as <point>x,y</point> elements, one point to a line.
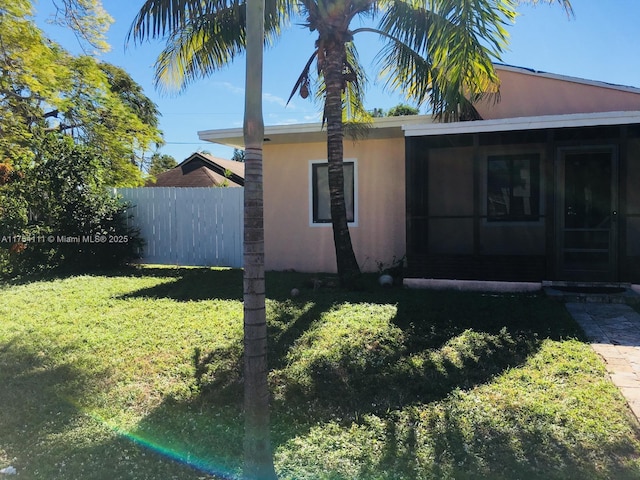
<point>188,226</point>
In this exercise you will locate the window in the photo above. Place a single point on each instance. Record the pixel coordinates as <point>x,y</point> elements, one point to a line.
<point>320,203</point>
<point>513,188</point>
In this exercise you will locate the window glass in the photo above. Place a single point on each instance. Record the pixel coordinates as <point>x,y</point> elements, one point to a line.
<point>321,201</point>
<point>513,188</point>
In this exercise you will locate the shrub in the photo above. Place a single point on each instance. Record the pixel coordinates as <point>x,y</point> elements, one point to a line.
<point>57,212</point>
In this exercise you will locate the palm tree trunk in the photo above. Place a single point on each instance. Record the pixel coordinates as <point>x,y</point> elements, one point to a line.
<point>258,457</point>
<point>348,269</point>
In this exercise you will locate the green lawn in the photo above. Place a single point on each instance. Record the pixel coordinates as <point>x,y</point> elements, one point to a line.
<point>137,375</point>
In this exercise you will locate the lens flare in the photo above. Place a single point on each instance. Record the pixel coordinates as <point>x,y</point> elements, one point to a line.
<point>175,454</point>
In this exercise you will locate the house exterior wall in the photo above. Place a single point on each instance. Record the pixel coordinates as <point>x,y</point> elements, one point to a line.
<point>450,234</point>
<point>526,95</point>
<point>292,243</point>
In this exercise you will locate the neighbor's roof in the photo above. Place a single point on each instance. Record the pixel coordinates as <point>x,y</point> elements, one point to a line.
<point>202,170</point>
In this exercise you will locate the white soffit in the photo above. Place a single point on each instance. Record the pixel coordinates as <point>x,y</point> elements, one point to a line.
<point>385,127</point>
<point>524,123</point>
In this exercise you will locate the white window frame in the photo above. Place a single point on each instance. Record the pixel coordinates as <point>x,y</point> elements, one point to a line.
<point>355,193</point>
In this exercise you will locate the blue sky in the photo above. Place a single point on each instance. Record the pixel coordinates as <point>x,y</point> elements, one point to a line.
<point>599,43</point>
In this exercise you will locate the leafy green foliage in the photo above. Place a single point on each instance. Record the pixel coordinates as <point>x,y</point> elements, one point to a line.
<point>44,88</point>
<point>440,52</point>
<point>88,19</point>
<point>401,110</point>
<point>238,155</point>
<point>161,163</point>
<point>57,211</point>
<point>138,375</point>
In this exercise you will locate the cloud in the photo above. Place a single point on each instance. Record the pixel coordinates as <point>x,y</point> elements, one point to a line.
<point>230,87</point>
<point>278,119</point>
<point>269,97</point>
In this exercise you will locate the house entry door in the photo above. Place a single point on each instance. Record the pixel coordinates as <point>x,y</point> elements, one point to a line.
<point>587,215</point>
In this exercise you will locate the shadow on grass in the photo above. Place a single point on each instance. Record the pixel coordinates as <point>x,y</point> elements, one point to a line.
<point>486,449</point>
<point>45,434</point>
<point>195,284</point>
<point>118,271</point>
<point>427,347</point>
<point>439,345</point>
<point>189,284</point>
<point>435,343</point>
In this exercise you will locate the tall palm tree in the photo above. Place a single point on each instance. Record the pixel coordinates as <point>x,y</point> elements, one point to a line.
<point>258,457</point>
<point>436,51</point>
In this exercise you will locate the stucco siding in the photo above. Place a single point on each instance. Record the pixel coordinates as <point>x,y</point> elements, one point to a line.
<point>292,243</point>
<point>525,95</point>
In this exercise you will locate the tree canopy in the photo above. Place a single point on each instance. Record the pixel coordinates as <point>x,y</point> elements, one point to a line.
<point>238,155</point>
<point>161,163</point>
<point>44,88</point>
<point>60,192</point>
<point>401,110</point>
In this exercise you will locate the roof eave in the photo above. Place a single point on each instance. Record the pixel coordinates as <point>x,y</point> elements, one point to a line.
<point>525,123</point>
<point>385,127</point>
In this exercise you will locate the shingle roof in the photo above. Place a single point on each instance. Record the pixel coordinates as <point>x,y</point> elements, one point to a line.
<point>202,170</point>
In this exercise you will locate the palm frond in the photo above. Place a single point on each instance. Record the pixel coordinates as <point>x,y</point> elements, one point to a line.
<point>201,37</point>
<point>304,78</point>
<point>201,47</point>
<point>159,18</point>
<point>566,4</point>
<point>405,70</point>
<point>355,82</point>
<point>444,49</point>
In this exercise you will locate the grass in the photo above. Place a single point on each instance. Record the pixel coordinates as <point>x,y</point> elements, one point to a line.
<point>137,375</point>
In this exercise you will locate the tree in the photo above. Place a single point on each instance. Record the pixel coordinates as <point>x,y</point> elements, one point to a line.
<point>44,88</point>
<point>436,51</point>
<point>56,211</point>
<point>401,110</point>
<point>87,19</point>
<point>258,457</point>
<point>161,163</point>
<point>238,155</point>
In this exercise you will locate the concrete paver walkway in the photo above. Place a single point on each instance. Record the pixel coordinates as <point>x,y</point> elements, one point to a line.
<point>614,332</point>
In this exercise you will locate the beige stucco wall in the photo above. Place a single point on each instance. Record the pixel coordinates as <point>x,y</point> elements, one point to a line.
<point>525,95</point>
<point>292,243</point>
